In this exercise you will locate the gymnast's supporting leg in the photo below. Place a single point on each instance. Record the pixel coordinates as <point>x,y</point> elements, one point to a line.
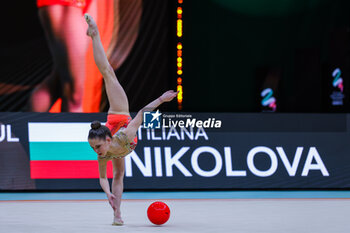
<point>117,187</point>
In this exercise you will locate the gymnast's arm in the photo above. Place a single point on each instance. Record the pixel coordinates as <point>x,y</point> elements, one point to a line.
<point>102,167</point>
<point>134,125</point>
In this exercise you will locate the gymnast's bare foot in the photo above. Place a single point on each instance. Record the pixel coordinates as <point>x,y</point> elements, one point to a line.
<point>92,30</point>
<point>118,221</point>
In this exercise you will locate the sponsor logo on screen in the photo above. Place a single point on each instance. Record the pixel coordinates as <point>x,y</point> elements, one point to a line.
<point>337,95</point>
<point>268,100</point>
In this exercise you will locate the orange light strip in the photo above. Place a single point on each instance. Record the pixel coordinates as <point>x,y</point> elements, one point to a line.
<point>179,60</point>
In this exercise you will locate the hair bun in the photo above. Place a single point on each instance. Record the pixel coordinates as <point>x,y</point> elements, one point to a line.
<point>95,125</point>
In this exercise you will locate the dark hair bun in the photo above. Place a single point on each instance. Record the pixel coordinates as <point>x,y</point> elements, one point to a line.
<point>95,125</point>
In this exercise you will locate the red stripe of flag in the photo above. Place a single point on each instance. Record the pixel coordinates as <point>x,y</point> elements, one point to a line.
<point>67,169</point>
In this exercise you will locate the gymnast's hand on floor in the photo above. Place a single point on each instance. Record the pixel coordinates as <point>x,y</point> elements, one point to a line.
<point>168,96</point>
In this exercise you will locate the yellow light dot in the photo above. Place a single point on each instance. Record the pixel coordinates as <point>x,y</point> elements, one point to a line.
<point>179,28</point>
<point>179,59</point>
<point>179,64</point>
<point>179,10</point>
<point>179,72</point>
<point>179,23</point>
<point>179,95</point>
<point>179,46</point>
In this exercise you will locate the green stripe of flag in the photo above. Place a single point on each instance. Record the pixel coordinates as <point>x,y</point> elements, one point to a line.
<point>61,151</point>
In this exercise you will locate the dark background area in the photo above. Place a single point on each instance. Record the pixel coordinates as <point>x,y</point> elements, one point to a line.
<point>231,47</point>
<point>232,50</point>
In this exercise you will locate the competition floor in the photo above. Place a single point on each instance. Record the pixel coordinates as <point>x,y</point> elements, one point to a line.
<point>226,211</point>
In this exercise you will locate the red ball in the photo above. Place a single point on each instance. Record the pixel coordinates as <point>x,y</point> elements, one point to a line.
<point>158,213</point>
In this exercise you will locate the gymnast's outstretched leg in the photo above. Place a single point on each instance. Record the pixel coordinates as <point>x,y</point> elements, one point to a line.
<point>117,98</point>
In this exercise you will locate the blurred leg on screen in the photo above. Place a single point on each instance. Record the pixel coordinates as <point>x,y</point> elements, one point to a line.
<point>65,32</point>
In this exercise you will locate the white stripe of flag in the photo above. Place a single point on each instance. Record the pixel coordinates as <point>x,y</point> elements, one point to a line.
<point>58,132</point>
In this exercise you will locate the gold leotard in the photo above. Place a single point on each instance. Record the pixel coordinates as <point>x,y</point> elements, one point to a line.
<point>117,124</point>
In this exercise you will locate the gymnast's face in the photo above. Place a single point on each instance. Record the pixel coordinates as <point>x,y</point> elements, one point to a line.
<point>100,146</point>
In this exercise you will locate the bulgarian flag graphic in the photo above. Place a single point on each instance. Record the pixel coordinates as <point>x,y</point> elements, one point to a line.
<point>61,151</point>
